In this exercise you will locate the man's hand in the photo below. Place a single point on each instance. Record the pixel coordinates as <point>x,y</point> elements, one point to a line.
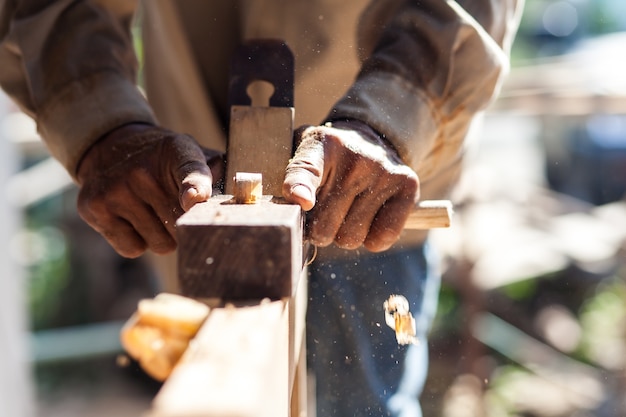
<point>137,180</point>
<point>357,188</point>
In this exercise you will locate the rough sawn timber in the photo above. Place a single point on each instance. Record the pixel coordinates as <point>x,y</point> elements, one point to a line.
<point>240,251</point>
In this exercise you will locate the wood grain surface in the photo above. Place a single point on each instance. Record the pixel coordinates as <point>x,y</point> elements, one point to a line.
<point>240,251</point>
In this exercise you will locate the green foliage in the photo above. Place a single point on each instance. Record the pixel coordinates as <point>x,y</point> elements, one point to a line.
<point>43,252</point>
<point>500,398</point>
<point>48,270</point>
<point>520,290</point>
<point>447,310</point>
<point>603,321</point>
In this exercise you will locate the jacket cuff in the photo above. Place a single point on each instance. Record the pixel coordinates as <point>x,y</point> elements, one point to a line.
<point>396,110</point>
<point>85,111</point>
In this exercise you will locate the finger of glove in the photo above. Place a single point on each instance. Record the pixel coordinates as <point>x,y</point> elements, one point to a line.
<point>304,173</point>
<point>122,237</point>
<point>166,207</point>
<point>139,202</point>
<point>388,223</point>
<point>189,171</point>
<point>196,187</point>
<point>151,228</point>
<point>356,225</point>
<point>120,234</point>
<point>327,217</point>
<point>114,213</point>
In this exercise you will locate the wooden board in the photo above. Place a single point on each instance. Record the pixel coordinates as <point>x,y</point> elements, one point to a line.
<point>260,140</point>
<point>240,251</point>
<point>298,371</point>
<point>237,366</point>
<point>430,214</point>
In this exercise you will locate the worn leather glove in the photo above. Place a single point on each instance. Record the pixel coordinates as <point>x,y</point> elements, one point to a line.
<point>137,180</point>
<point>356,187</point>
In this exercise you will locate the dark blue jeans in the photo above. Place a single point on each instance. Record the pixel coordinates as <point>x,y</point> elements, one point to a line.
<point>359,367</point>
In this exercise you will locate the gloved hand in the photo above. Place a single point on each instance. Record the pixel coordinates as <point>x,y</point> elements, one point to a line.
<point>137,180</point>
<point>356,187</point>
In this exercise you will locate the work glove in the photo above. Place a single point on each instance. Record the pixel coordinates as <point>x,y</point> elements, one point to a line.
<point>137,180</point>
<point>354,185</point>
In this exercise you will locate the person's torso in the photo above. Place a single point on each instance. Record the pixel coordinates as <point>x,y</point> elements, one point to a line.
<point>322,34</point>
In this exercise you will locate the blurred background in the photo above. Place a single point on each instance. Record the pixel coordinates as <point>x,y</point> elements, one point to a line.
<point>532,316</point>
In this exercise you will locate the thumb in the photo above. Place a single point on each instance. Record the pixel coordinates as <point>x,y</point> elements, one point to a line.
<point>196,187</point>
<point>192,174</point>
<point>305,171</point>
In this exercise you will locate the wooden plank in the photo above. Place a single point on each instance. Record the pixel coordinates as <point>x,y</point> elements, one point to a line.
<point>237,366</point>
<point>248,359</point>
<point>299,404</point>
<point>298,373</point>
<point>240,251</point>
<point>430,214</point>
<point>260,140</point>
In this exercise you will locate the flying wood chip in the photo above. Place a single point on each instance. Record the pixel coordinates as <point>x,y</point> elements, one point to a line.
<point>399,318</point>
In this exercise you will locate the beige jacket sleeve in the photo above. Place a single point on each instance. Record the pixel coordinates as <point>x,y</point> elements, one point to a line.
<point>429,67</point>
<point>71,66</point>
